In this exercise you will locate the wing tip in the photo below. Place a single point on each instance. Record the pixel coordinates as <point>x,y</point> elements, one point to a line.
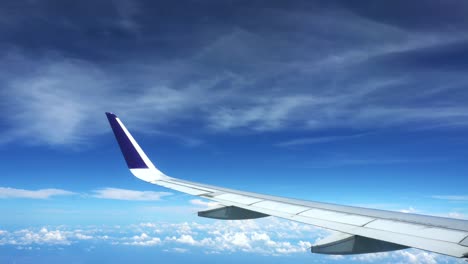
<point>132,153</point>
<point>110,114</point>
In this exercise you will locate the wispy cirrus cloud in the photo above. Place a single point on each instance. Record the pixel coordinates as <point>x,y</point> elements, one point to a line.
<point>232,77</point>
<point>451,197</point>
<point>128,195</point>
<point>6,193</point>
<point>457,215</point>
<point>317,140</point>
<point>104,193</point>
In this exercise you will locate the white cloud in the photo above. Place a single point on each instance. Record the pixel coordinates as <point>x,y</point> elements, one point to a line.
<point>72,95</point>
<point>316,140</point>
<point>143,236</point>
<point>403,256</point>
<point>50,95</point>
<point>457,215</point>
<point>410,210</point>
<point>37,194</point>
<point>148,225</point>
<point>68,94</point>
<point>83,237</point>
<point>54,237</point>
<point>184,239</point>
<point>376,257</point>
<point>263,237</point>
<point>149,242</point>
<point>208,204</point>
<point>263,114</point>
<point>105,193</point>
<point>266,238</point>
<point>180,250</point>
<point>42,236</point>
<point>417,257</point>
<point>129,195</point>
<point>177,250</point>
<point>451,197</point>
<point>239,239</point>
<point>260,237</point>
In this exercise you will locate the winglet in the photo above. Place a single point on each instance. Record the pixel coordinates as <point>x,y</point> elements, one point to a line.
<point>137,161</point>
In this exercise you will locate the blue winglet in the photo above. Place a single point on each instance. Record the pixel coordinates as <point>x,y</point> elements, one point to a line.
<point>131,155</point>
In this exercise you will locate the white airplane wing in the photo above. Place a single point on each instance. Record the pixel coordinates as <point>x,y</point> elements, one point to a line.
<point>362,230</point>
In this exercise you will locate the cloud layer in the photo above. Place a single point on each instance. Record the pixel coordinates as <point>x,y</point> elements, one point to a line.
<point>267,237</point>
<point>129,195</point>
<point>451,197</point>
<point>104,193</point>
<point>32,194</point>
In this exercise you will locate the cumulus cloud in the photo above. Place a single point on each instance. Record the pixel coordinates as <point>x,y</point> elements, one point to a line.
<point>266,238</point>
<point>411,256</point>
<point>404,256</point>
<point>202,203</point>
<point>184,239</point>
<point>30,194</point>
<point>143,240</point>
<point>129,195</point>
<point>42,236</point>
<point>269,237</point>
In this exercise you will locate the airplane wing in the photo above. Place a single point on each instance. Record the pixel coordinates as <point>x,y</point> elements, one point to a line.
<point>361,230</point>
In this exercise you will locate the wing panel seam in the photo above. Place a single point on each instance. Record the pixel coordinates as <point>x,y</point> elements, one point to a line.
<point>308,209</point>
<point>256,202</point>
<point>365,225</point>
<point>462,239</point>
<point>190,187</point>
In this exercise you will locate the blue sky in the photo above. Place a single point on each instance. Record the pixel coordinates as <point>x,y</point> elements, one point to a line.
<point>359,103</point>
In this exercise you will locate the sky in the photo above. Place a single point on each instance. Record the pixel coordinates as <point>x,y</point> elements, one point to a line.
<point>360,103</point>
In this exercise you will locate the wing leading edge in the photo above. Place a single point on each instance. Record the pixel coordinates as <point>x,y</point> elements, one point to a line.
<point>362,230</point>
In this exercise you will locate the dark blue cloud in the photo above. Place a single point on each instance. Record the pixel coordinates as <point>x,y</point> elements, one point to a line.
<point>276,31</point>
<point>247,65</point>
<point>427,15</point>
<point>443,57</point>
<point>110,30</point>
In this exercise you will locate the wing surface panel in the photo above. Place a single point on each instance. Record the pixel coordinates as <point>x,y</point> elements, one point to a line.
<point>410,233</point>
